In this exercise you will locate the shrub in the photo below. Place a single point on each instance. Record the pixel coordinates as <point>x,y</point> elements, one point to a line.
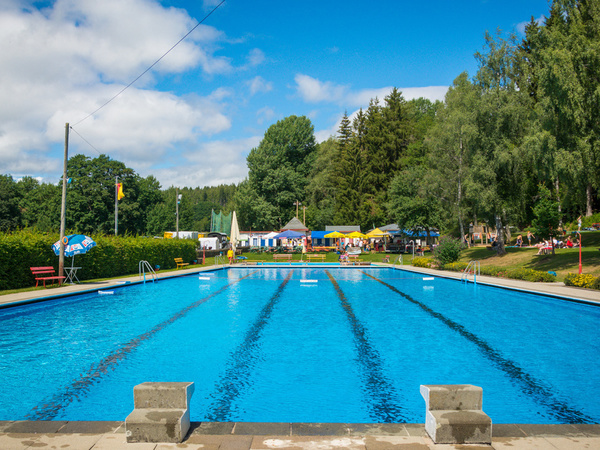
<point>421,261</point>
<point>583,280</point>
<point>530,275</point>
<point>448,250</point>
<point>454,266</point>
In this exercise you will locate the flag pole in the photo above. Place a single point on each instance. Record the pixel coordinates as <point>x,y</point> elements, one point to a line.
<point>116,204</point>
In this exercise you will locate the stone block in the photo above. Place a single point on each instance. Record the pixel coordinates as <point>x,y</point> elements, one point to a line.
<point>458,427</point>
<point>452,396</point>
<point>454,416</point>
<point>161,412</point>
<point>157,425</point>
<point>165,395</point>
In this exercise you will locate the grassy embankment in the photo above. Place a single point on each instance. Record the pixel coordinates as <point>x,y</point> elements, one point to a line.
<point>562,262</point>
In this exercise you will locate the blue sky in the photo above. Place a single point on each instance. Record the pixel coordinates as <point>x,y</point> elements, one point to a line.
<point>193,118</point>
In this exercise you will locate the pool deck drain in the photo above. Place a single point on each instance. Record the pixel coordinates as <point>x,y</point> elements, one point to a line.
<point>19,435</point>
<point>305,436</point>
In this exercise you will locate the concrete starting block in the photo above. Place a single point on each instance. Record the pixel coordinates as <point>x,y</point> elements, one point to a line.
<point>454,414</point>
<point>161,412</point>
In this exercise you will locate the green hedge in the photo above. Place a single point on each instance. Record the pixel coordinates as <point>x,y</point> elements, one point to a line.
<point>112,257</point>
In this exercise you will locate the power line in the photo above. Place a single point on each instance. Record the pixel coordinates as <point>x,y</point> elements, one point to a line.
<point>85,140</point>
<point>155,63</point>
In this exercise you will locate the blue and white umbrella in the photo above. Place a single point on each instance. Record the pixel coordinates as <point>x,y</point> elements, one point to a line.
<point>75,244</point>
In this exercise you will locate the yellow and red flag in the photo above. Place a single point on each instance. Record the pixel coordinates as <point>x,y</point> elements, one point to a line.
<point>120,194</point>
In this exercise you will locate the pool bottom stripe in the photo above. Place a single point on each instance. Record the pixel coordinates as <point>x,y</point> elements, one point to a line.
<point>50,408</point>
<point>379,389</point>
<point>237,377</point>
<point>529,385</point>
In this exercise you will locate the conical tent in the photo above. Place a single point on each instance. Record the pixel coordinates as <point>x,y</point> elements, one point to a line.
<point>377,233</point>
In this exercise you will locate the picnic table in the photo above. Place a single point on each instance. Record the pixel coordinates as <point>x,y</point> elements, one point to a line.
<point>71,275</point>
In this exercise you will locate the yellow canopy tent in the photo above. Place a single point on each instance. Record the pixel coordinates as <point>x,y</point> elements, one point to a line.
<point>335,234</point>
<point>376,233</point>
<point>356,235</point>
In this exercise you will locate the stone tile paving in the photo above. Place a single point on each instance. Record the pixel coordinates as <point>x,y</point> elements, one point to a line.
<point>29,435</point>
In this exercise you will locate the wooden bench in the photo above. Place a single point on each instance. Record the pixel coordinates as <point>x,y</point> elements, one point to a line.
<point>180,263</point>
<point>312,257</point>
<point>283,257</point>
<point>49,272</point>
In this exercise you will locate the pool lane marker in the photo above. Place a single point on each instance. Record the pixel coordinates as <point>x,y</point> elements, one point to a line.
<point>50,408</point>
<point>236,378</point>
<point>529,385</point>
<point>385,408</point>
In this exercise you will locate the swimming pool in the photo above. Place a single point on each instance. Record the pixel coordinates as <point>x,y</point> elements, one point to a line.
<point>302,345</point>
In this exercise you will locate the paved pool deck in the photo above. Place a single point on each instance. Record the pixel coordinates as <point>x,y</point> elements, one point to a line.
<point>19,435</point>
<point>299,436</point>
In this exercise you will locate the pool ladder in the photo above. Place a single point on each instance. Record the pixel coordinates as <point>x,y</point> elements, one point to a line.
<point>143,266</point>
<point>399,258</point>
<point>473,266</point>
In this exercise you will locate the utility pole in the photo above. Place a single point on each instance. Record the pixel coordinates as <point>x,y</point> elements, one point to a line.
<point>297,203</point>
<point>177,198</point>
<point>116,204</point>
<point>63,206</point>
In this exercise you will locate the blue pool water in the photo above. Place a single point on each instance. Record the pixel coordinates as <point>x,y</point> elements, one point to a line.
<point>263,346</point>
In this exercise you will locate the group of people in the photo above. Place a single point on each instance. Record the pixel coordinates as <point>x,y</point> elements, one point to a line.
<point>547,245</point>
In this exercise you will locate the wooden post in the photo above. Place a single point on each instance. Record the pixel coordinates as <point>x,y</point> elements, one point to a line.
<point>177,213</point>
<point>116,205</point>
<point>63,206</point>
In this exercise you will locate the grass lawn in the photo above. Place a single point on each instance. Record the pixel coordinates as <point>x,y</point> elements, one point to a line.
<point>563,262</point>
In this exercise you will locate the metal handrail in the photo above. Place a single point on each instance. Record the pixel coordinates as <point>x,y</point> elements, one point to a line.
<point>142,266</point>
<point>399,257</point>
<point>219,259</point>
<point>474,266</point>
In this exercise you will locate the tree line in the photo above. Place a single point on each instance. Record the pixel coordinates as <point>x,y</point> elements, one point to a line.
<point>146,209</point>
<point>521,133</point>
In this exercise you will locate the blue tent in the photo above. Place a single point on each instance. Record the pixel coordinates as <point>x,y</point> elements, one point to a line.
<point>415,234</point>
<point>288,234</point>
<point>318,238</point>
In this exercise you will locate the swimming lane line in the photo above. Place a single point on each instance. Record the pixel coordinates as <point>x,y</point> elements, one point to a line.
<point>529,385</point>
<point>237,376</point>
<point>380,390</point>
<point>49,409</point>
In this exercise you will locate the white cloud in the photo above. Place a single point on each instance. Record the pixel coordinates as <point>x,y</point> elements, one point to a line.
<point>212,163</point>
<point>259,85</point>
<point>264,115</point>
<point>312,90</point>
<point>256,57</point>
<point>63,62</point>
